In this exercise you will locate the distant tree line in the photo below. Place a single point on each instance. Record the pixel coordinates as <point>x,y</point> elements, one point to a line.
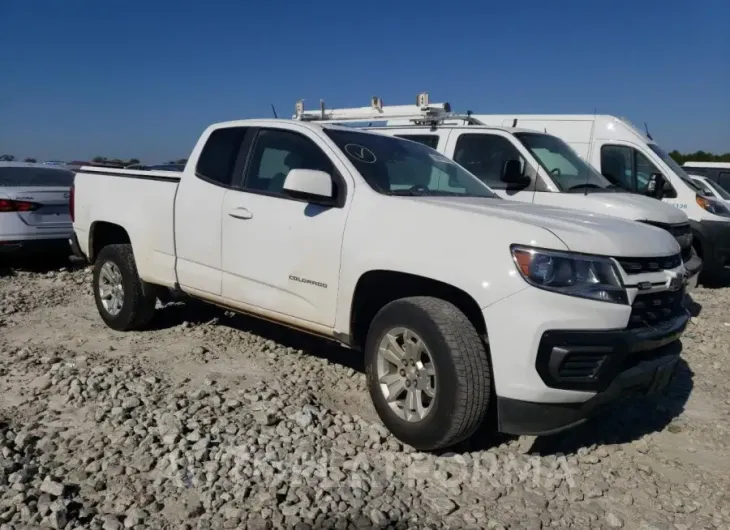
<point>123,163</point>
<point>699,156</point>
<point>97,160</point>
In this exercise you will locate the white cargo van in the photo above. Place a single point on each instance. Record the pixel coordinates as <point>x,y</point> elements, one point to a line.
<point>715,171</point>
<point>632,160</point>
<point>517,164</point>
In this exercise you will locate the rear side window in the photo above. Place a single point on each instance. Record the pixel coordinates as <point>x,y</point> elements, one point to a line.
<point>35,177</point>
<point>431,140</point>
<point>217,161</point>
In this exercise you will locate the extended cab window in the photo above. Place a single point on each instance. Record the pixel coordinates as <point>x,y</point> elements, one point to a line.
<point>275,153</point>
<point>431,140</point>
<point>485,155</point>
<point>218,159</point>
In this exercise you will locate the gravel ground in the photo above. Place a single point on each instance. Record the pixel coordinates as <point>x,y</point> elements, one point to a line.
<point>212,420</point>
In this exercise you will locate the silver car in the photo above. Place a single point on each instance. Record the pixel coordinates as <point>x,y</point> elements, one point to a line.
<point>34,208</point>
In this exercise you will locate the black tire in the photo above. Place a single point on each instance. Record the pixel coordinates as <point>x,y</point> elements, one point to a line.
<point>138,306</point>
<point>463,380</point>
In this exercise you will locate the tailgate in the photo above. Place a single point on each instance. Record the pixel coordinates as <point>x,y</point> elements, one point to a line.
<point>50,206</point>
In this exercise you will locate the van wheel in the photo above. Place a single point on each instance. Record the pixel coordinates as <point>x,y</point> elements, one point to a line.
<point>124,301</point>
<point>427,372</point>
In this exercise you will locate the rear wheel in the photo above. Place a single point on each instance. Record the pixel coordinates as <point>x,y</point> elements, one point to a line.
<point>124,301</point>
<point>428,372</point>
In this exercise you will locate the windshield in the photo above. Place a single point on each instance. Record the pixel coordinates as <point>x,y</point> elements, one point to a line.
<point>35,177</point>
<point>394,166</point>
<point>719,190</point>
<point>678,170</point>
<point>565,167</point>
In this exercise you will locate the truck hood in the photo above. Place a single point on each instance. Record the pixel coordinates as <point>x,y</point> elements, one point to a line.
<point>580,231</point>
<point>630,206</point>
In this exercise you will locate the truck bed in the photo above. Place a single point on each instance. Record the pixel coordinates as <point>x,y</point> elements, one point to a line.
<point>149,223</point>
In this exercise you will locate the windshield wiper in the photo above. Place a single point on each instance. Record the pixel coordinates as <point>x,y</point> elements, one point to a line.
<point>583,186</point>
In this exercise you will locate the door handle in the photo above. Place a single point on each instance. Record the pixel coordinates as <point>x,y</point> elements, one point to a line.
<point>240,213</point>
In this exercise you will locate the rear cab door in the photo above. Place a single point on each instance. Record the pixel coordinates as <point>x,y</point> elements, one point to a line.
<point>198,205</point>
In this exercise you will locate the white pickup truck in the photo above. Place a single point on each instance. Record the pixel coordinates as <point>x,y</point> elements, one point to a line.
<point>460,300</point>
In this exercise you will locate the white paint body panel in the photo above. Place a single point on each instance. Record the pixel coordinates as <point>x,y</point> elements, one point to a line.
<point>462,242</point>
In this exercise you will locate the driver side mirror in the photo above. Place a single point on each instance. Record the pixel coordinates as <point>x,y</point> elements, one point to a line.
<point>512,175</point>
<point>657,186</point>
<point>310,185</point>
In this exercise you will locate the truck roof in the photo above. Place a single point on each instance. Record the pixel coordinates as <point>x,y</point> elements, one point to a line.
<point>275,122</point>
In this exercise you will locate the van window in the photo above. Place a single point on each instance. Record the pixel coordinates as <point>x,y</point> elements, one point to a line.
<point>704,187</point>
<point>431,140</point>
<point>696,171</point>
<point>719,190</point>
<point>485,155</point>
<point>723,179</point>
<point>562,163</point>
<point>668,160</point>
<point>626,167</point>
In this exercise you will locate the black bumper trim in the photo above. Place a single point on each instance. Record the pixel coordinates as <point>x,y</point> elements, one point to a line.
<point>32,246</point>
<point>714,239</point>
<point>602,355</point>
<point>648,377</point>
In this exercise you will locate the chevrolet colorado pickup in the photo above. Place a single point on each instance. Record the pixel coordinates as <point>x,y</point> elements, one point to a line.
<point>459,300</point>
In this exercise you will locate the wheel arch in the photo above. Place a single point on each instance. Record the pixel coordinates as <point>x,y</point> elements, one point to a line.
<point>104,233</point>
<point>376,288</point>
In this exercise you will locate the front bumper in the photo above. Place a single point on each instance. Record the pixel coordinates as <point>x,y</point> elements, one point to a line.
<point>609,364</point>
<point>714,239</point>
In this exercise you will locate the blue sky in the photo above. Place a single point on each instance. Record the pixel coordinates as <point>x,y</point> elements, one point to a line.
<point>135,78</point>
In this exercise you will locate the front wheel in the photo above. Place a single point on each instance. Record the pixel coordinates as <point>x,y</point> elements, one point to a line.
<point>124,301</point>
<point>428,372</point>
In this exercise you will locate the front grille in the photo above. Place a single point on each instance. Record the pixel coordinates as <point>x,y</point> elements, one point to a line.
<point>683,235</point>
<point>582,365</point>
<point>652,309</point>
<point>641,265</point>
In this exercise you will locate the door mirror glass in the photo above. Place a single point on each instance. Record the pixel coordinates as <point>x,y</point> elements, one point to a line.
<point>656,186</point>
<point>309,184</point>
<point>513,176</point>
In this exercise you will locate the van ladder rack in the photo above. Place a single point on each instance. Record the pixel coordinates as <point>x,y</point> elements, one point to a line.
<point>422,113</point>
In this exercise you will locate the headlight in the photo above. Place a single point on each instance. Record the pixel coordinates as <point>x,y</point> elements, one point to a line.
<point>593,277</point>
<point>712,205</point>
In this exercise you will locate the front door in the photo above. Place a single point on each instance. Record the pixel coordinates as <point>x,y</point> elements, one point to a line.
<point>281,254</point>
<point>485,155</point>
